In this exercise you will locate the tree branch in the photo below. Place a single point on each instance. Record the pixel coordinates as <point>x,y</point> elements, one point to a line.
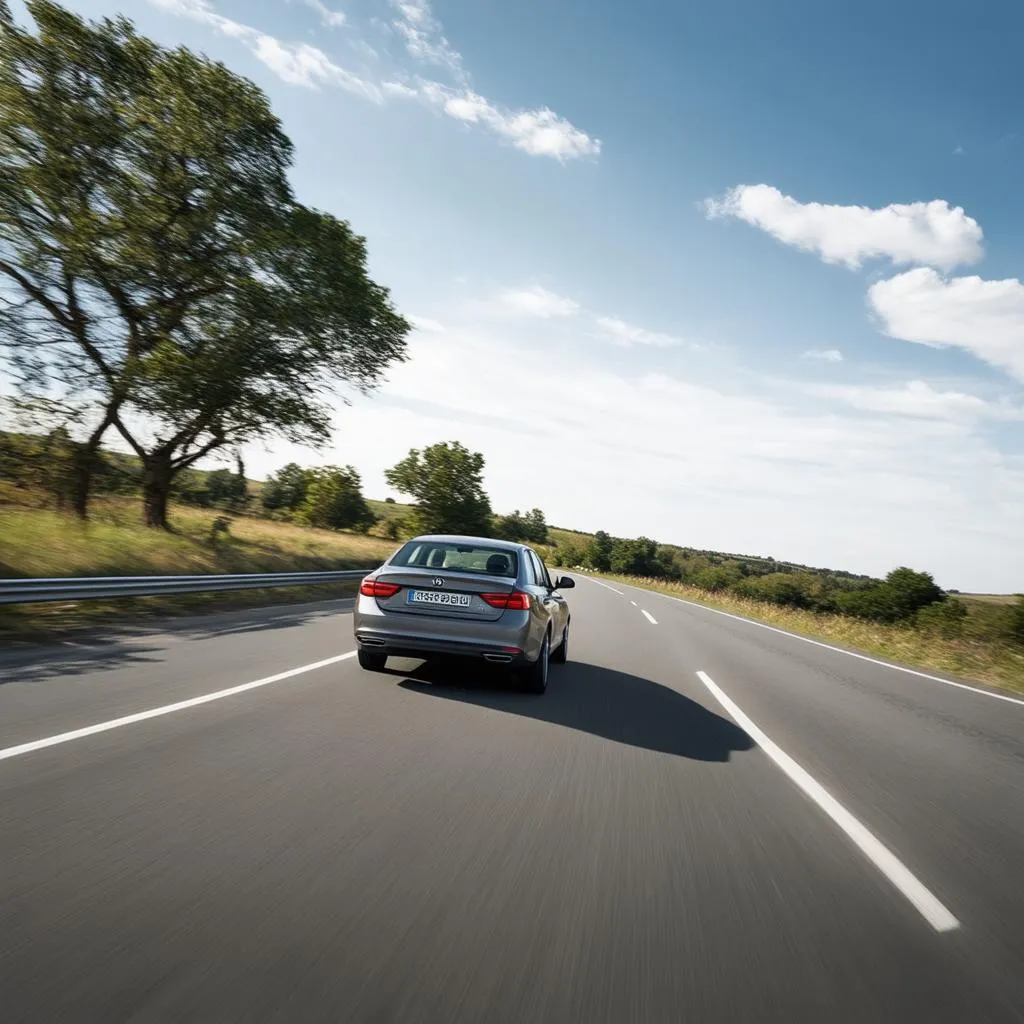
<point>37,293</point>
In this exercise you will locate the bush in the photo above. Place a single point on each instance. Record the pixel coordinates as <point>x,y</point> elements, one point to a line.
<point>942,618</point>
<point>716,578</point>
<point>334,501</point>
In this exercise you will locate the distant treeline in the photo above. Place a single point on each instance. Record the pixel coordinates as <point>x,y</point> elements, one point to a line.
<point>904,596</point>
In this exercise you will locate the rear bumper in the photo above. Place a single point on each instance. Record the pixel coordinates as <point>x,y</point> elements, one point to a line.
<point>397,645</point>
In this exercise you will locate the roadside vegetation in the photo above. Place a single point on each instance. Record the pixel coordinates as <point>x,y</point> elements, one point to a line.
<point>984,650</point>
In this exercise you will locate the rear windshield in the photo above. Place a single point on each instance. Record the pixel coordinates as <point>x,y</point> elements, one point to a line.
<point>457,558</point>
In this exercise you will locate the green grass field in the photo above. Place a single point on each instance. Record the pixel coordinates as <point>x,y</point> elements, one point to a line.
<point>42,542</point>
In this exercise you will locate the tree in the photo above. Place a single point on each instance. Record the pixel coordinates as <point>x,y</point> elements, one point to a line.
<point>899,596</point>
<point>909,591</point>
<point>334,501</point>
<point>152,255</point>
<point>599,554</point>
<point>286,490</point>
<point>446,482</point>
<point>635,557</point>
<point>518,527</point>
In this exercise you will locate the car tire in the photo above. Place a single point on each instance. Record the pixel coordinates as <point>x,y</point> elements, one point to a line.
<point>372,661</point>
<point>560,655</point>
<point>535,676</point>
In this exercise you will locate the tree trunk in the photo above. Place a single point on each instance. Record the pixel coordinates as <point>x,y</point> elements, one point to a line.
<point>156,489</point>
<point>83,464</point>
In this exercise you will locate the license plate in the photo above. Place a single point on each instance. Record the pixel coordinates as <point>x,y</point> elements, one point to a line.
<point>438,597</point>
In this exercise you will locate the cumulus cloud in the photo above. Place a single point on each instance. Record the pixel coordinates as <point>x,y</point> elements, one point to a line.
<point>984,318</point>
<point>826,355</point>
<point>918,398</point>
<point>539,302</point>
<point>933,233</point>
<point>623,333</point>
<point>538,132</point>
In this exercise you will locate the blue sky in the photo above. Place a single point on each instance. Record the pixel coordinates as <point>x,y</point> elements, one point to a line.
<point>741,276</point>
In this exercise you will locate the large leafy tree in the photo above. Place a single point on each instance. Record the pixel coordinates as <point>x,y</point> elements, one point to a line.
<point>446,482</point>
<point>153,258</point>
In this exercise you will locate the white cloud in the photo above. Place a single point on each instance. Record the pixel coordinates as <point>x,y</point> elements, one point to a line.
<point>424,36</point>
<point>918,398</point>
<point>331,18</point>
<point>294,63</point>
<point>933,233</point>
<point>539,302</point>
<point>623,333</point>
<point>827,355</point>
<point>539,132</point>
<point>985,318</point>
<point>305,65</point>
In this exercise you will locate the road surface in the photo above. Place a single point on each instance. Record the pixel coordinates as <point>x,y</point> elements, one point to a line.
<point>793,835</point>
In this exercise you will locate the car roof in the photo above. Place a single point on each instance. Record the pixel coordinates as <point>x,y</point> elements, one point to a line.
<point>499,545</point>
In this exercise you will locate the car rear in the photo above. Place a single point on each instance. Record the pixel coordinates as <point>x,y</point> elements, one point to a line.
<point>456,596</point>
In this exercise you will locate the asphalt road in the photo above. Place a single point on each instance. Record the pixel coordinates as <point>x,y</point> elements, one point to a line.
<point>795,835</point>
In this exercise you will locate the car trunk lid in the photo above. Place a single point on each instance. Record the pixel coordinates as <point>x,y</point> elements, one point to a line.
<point>443,593</point>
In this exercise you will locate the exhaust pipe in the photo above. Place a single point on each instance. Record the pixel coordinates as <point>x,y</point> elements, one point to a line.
<point>371,641</point>
<point>498,659</point>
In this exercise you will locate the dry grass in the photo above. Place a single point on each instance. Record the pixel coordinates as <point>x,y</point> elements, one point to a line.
<point>986,661</point>
<point>41,542</point>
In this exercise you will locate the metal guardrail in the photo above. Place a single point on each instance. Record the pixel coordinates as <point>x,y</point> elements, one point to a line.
<point>31,591</point>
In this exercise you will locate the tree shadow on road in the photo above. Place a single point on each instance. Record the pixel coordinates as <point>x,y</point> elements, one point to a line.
<point>601,701</point>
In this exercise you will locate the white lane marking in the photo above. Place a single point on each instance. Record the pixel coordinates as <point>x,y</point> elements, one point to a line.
<point>605,585</point>
<point>839,650</point>
<point>927,904</point>
<point>166,709</point>
<point>649,617</point>
<point>634,604</point>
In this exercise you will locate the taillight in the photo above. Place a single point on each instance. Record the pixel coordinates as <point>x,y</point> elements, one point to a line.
<point>517,601</point>
<point>377,588</point>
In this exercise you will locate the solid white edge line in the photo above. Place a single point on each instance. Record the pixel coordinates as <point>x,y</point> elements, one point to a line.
<point>926,903</point>
<point>167,709</point>
<point>838,650</point>
<point>649,617</point>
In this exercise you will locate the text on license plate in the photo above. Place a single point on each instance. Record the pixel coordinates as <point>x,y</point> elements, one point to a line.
<point>438,597</point>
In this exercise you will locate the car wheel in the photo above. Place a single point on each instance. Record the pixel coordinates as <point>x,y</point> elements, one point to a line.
<point>560,655</point>
<point>535,676</point>
<point>372,661</point>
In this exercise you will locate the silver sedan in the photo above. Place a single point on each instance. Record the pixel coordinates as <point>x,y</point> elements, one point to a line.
<point>469,596</point>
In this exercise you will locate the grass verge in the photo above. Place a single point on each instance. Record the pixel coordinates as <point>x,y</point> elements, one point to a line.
<point>984,660</point>
<point>41,542</point>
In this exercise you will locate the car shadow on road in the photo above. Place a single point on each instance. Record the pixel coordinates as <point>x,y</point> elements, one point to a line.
<point>590,698</point>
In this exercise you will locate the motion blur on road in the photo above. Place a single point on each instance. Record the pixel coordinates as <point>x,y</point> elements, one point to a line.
<point>429,844</point>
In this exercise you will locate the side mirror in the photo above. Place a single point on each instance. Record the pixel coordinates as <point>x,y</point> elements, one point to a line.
<point>564,583</point>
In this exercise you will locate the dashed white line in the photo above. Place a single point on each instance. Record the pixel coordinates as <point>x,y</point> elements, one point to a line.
<point>166,709</point>
<point>634,604</point>
<point>925,901</point>
<point>649,617</point>
<point>840,650</point>
<point>605,585</point>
